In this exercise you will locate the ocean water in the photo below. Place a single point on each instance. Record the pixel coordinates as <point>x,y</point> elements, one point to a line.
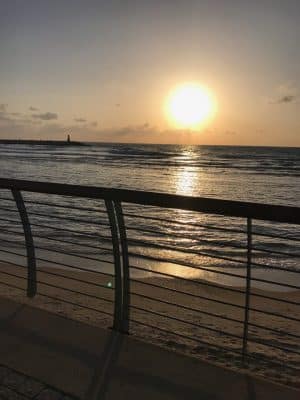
<point>257,174</point>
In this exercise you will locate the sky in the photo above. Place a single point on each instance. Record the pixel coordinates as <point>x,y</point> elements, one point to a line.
<point>102,70</point>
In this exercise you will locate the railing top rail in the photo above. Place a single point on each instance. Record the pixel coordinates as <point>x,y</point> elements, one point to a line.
<point>230,208</point>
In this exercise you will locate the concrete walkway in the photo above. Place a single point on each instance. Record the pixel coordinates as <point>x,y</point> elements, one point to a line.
<point>17,386</point>
<point>70,359</point>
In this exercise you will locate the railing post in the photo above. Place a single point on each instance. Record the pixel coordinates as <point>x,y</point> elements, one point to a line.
<point>248,286</point>
<point>126,271</point>
<point>117,324</point>
<point>31,261</point>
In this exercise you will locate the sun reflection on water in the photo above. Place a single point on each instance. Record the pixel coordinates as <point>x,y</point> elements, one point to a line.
<point>187,176</point>
<point>186,181</point>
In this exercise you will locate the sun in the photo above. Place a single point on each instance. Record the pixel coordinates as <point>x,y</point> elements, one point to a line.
<point>189,106</point>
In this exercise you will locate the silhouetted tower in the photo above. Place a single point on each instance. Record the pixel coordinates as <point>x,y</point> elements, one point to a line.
<point>69,139</point>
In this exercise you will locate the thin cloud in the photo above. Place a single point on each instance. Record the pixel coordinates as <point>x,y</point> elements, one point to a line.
<point>31,108</point>
<point>94,124</point>
<point>285,93</point>
<point>286,99</point>
<point>3,107</point>
<point>79,119</point>
<point>45,116</point>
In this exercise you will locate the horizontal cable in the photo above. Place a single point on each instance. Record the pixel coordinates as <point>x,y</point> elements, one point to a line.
<point>65,206</point>
<point>69,219</point>
<point>13,253</point>
<point>270,235</point>
<point>58,240</point>
<point>7,199</point>
<point>61,229</point>
<point>180,291</point>
<point>10,220</point>
<point>172,248</point>
<point>14,242</point>
<point>202,297</point>
<point>276,252</point>
<point>95,236</point>
<point>72,255</point>
<point>57,298</point>
<point>212,314</point>
<point>46,237</point>
<point>201,253</point>
<point>12,286</point>
<point>212,329</point>
<point>276,331</point>
<point>185,322</point>
<point>65,276</point>
<point>59,287</point>
<point>208,226</point>
<point>212,284</point>
<point>64,265</point>
<point>9,209</point>
<point>184,236</point>
<point>139,255</point>
<point>186,308</point>
<point>126,214</point>
<point>199,282</point>
<point>185,264</point>
<point>169,275</point>
<point>59,252</point>
<point>181,250</point>
<point>274,346</point>
<point>232,350</point>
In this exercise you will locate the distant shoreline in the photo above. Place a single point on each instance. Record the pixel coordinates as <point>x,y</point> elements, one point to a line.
<point>42,142</point>
<point>105,143</point>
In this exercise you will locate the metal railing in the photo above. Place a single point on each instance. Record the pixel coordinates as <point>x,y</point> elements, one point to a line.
<point>211,277</point>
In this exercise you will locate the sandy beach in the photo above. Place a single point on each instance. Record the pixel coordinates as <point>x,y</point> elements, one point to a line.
<point>159,326</point>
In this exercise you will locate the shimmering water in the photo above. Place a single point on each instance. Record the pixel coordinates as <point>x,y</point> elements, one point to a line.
<point>266,175</point>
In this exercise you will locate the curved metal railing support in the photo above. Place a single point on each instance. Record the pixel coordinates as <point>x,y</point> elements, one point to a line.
<point>248,287</point>
<point>117,324</point>
<point>126,270</point>
<point>121,263</point>
<point>31,261</point>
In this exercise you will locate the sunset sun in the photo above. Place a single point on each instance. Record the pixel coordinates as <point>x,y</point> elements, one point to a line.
<point>189,105</point>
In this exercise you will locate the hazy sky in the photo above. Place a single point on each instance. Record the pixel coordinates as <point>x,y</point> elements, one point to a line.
<point>101,70</point>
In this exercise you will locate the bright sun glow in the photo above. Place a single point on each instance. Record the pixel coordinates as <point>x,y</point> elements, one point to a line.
<point>189,105</point>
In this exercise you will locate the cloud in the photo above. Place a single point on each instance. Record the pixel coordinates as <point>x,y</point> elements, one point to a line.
<point>33,108</point>
<point>285,93</point>
<point>3,107</point>
<point>45,116</point>
<point>286,99</point>
<point>94,123</point>
<point>79,119</point>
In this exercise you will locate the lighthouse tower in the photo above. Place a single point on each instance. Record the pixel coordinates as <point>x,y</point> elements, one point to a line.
<point>68,139</point>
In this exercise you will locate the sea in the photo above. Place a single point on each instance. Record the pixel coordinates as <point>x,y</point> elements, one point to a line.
<point>173,241</point>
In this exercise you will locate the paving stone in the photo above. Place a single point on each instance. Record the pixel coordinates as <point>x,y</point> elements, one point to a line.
<point>8,394</point>
<point>16,386</point>
<point>50,394</point>
<point>23,384</point>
